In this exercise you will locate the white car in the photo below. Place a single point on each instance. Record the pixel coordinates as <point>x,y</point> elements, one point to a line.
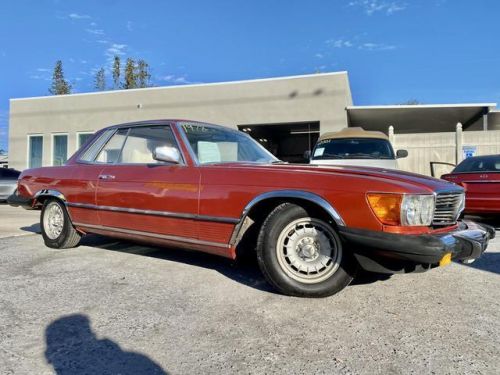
<point>8,182</point>
<point>355,146</point>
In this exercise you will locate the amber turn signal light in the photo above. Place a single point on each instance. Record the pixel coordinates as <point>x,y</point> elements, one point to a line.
<point>387,207</point>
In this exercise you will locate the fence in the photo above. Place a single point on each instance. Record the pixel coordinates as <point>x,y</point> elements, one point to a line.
<point>450,147</point>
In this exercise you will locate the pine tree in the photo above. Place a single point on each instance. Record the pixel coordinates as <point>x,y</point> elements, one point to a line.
<point>59,85</point>
<point>116,72</point>
<point>130,75</point>
<point>143,75</point>
<point>100,80</point>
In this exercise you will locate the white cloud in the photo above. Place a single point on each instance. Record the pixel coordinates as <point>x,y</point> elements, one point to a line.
<point>319,55</point>
<point>93,24</point>
<point>376,47</point>
<point>102,41</point>
<point>76,16</point>
<point>340,43</point>
<point>42,70</point>
<point>130,26</point>
<point>116,49</point>
<point>356,43</point>
<point>374,6</point>
<point>171,78</point>
<point>95,31</point>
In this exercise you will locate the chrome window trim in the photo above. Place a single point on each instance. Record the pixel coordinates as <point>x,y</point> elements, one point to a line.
<point>155,235</point>
<point>179,215</point>
<point>129,127</point>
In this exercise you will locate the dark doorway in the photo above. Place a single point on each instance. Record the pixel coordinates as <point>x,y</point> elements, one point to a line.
<point>286,141</point>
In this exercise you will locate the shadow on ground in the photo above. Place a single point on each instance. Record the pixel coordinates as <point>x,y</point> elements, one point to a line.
<point>72,348</point>
<point>245,271</point>
<point>33,228</point>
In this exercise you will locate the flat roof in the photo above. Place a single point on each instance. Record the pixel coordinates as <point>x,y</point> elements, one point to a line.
<point>257,80</point>
<point>422,118</point>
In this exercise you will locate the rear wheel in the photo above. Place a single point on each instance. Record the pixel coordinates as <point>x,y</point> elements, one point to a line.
<point>302,255</point>
<point>57,230</point>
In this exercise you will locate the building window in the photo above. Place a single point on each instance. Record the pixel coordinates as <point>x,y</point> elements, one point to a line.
<point>59,149</point>
<point>82,138</point>
<point>35,151</point>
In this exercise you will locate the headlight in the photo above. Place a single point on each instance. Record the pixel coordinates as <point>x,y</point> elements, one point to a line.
<point>401,209</point>
<point>417,210</point>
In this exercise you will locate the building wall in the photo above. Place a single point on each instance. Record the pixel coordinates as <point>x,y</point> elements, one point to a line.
<point>317,97</point>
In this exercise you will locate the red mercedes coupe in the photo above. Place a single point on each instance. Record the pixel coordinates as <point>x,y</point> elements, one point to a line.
<point>480,177</point>
<point>210,188</point>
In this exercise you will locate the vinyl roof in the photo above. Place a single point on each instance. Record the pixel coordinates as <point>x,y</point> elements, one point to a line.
<point>417,118</point>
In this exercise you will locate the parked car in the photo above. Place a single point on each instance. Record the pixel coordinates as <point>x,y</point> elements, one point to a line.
<point>206,187</point>
<point>355,146</point>
<point>8,182</point>
<point>480,177</point>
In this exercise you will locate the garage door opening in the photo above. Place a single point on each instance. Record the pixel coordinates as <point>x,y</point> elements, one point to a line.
<point>286,141</point>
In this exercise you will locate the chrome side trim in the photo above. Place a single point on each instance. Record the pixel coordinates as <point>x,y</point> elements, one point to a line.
<point>298,194</point>
<point>179,215</point>
<point>154,235</point>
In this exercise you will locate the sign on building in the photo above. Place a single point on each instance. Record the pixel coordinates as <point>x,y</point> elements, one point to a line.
<point>469,151</point>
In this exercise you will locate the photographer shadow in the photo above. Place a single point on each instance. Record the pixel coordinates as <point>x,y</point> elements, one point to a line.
<point>72,348</point>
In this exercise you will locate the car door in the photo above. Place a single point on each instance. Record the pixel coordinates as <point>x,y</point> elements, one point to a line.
<point>80,187</point>
<point>139,195</point>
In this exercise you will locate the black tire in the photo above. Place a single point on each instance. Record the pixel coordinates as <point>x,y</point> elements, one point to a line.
<point>68,236</point>
<point>285,278</point>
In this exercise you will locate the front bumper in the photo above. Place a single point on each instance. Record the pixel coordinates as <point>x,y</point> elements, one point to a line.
<point>397,253</point>
<point>17,200</point>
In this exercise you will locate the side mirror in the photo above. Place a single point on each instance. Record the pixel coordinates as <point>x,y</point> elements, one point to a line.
<point>167,154</point>
<point>401,154</point>
<point>307,154</point>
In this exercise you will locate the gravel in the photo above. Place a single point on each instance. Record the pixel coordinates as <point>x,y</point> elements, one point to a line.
<point>117,307</point>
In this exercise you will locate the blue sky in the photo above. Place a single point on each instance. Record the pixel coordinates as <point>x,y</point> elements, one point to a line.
<point>435,51</point>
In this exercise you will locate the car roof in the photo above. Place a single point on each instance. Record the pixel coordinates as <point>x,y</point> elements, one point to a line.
<point>482,157</point>
<point>164,122</point>
<point>354,132</point>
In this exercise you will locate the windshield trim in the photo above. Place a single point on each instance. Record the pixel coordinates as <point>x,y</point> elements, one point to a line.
<point>193,156</point>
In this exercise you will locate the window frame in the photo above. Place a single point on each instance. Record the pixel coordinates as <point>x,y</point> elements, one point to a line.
<point>128,128</point>
<point>52,145</point>
<point>28,149</point>
<point>77,140</point>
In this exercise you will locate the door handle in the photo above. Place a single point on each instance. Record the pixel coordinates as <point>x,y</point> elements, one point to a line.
<point>106,177</point>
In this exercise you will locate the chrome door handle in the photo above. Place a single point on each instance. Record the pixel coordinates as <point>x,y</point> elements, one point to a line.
<point>106,177</point>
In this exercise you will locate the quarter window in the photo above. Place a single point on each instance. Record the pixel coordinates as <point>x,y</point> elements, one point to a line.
<point>96,146</point>
<point>35,151</point>
<point>110,153</point>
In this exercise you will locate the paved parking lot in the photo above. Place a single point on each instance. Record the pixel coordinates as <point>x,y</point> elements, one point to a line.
<point>94,308</point>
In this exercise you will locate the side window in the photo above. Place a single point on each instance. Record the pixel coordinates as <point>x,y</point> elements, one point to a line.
<point>142,141</point>
<point>110,153</point>
<point>92,150</point>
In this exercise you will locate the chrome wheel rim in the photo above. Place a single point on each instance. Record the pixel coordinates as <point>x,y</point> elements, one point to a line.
<point>308,250</point>
<point>53,220</point>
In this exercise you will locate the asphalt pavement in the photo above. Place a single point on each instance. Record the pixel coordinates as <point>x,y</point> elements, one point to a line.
<point>116,307</point>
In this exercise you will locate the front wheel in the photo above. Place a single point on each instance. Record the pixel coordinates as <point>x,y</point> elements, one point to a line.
<point>57,230</point>
<point>302,255</point>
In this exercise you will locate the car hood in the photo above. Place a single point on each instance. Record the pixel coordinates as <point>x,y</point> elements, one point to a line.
<point>390,175</point>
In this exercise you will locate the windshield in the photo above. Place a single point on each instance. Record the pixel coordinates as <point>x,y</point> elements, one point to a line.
<point>353,148</point>
<point>479,164</point>
<point>214,144</point>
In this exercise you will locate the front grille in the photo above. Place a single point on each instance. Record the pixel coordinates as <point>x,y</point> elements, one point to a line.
<point>448,208</point>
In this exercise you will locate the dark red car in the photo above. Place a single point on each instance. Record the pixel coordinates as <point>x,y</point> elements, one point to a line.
<point>206,187</point>
<point>480,177</point>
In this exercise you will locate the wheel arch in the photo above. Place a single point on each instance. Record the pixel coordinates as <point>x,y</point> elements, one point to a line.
<point>264,203</point>
<point>42,195</point>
